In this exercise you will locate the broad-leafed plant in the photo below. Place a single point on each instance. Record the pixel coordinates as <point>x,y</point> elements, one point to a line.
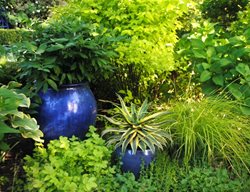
<point>12,119</point>
<point>65,52</point>
<point>136,127</point>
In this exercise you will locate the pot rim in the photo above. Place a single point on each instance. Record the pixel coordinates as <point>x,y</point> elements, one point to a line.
<point>73,85</point>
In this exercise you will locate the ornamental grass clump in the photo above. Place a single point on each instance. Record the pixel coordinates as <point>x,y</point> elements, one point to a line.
<point>213,130</point>
<point>136,127</point>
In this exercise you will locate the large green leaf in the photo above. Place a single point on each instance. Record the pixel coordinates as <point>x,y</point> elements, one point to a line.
<point>205,75</point>
<point>243,69</point>
<point>26,122</point>
<point>197,43</point>
<point>6,129</point>
<point>52,84</point>
<point>224,62</point>
<point>55,47</point>
<point>218,80</point>
<point>199,53</point>
<point>235,91</point>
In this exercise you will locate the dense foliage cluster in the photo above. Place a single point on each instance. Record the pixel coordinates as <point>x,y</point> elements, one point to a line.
<point>21,13</point>
<point>220,58</point>
<point>150,30</point>
<point>138,48</point>
<point>223,11</point>
<point>12,119</point>
<point>69,165</point>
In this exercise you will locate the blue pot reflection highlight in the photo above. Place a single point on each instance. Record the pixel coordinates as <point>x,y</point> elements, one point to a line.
<point>67,112</point>
<point>134,162</point>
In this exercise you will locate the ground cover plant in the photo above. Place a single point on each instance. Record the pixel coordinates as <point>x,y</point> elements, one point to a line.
<point>68,165</point>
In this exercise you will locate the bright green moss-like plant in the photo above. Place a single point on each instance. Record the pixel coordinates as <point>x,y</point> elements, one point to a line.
<point>69,165</point>
<point>9,36</point>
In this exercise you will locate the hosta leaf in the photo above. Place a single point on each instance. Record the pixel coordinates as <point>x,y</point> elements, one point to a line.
<point>30,47</point>
<point>245,110</point>
<point>34,134</point>
<point>6,129</point>
<point>27,123</point>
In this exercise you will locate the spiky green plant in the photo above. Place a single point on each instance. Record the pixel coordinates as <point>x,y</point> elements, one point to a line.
<point>136,127</point>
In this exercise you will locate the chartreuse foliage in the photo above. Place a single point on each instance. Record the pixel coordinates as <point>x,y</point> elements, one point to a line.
<point>12,119</point>
<point>221,63</point>
<point>212,130</point>
<point>136,127</point>
<point>149,26</point>
<point>9,36</point>
<point>69,165</point>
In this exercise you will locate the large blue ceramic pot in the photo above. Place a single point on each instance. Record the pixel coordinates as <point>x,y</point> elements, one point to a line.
<point>67,112</point>
<point>133,162</point>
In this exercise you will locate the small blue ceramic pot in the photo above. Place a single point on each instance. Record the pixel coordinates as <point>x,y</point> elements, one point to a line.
<point>134,162</point>
<point>67,112</point>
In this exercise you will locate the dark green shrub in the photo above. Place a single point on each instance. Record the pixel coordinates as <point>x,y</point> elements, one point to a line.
<point>223,11</point>
<point>65,52</point>
<point>69,165</point>
<point>221,63</point>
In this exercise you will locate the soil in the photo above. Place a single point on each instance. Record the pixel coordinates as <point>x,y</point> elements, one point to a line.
<point>11,167</point>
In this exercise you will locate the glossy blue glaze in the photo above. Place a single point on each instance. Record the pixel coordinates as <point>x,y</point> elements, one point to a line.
<point>133,162</point>
<point>67,112</point>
